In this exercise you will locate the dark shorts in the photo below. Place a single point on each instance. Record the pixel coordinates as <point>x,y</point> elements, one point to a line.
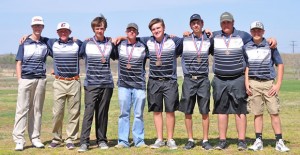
<point>229,95</point>
<point>159,91</point>
<point>192,89</point>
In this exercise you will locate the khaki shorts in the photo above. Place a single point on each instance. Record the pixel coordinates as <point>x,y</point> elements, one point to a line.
<point>260,98</point>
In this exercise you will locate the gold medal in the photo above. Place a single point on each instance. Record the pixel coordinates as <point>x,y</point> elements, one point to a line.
<point>198,59</point>
<point>128,66</point>
<point>158,63</point>
<point>103,60</point>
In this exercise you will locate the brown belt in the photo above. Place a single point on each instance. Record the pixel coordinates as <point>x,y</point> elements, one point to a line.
<point>67,78</point>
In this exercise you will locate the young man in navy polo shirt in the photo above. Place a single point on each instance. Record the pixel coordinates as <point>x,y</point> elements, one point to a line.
<point>132,56</point>
<point>228,84</point>
<point>196,85</point>
<point>98,84</point>
<point>162,87</point>
<point>260,86</point>
<point>66,86</point>
<point>31,74</point>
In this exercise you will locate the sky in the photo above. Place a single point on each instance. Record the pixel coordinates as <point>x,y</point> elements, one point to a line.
<point>280,18</point>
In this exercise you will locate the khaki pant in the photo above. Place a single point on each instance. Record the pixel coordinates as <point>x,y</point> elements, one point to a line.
<point>260,98</point>
<point>30,102</point>
<point>66,91</point>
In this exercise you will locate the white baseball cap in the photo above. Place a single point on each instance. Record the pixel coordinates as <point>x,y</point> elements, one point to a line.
<point>63,25</point>
<point>37,20</point>
<point>257,25</point>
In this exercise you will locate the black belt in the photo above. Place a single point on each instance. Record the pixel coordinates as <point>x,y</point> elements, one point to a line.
<point>161,78</point>
<point>229,77</point>
<point>195,77</point>
<point>259,79</point>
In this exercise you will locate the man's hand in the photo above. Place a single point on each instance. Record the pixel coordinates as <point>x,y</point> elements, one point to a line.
<point>21,41</point>
<point>186,34</point>
<point>208,32</point>
<point>272,42</point>
<point>119,39</point>
<point>274,90</point>
<point>248,89</point>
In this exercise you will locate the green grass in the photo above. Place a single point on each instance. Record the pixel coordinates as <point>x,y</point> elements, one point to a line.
<point>290,114</point>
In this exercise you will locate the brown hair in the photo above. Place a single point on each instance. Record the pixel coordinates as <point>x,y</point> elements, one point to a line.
<point>99,21</point>
<point>155,21</point>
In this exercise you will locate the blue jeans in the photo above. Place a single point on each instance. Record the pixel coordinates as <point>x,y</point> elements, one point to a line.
<point>136,98</point>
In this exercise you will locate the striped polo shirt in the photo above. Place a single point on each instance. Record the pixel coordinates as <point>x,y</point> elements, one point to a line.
<point>98,73</point>
<point>193,49</point>
<point>261,59</point>
<point>171,49</point>
<point>65,57</point>
<point>228,54</point>
<point>136,56</point>
<point>33,56</point>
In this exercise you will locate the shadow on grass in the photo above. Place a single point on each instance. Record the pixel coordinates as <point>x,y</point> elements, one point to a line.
<point>179,142</point>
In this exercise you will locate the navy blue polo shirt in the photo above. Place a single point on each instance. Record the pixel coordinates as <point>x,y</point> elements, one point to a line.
<point>33,56</point>
<point>65,57</point>
<point>134,77</point>
<point>171,49</point>
<point>229,60</point>
<point>190,64</point>
<point>261,59</point>
<point>98,73</point>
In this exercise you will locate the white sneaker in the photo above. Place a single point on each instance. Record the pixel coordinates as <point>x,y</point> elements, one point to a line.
<point>19,146</point>
<point>281,147</point>
<point>157,144</point>
<point>257,145</point>
<point>171,144</point>
<point>38,144</point>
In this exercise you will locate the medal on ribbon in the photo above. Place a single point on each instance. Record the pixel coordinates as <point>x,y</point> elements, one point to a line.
<point>128,65</point>
<point>227,52</point>
<point>159,49</point>
<point>198,50</point>
<point>103,59</point>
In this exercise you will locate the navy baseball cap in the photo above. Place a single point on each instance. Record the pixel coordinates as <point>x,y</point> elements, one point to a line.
<point>195,17</point>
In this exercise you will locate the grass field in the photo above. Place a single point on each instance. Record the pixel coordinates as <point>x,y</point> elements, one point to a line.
<point>290,114</point>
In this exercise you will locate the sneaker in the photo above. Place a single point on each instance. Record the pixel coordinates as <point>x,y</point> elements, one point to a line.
<point>281,147</point>
<point>19,146</point>
<point>120,146</point>
<point>242,145</point>
<point>222,145</point>
<point>189,145</point>
<point>157,144</point>
<point>83,148</point>
<point>38,144</point>
<point>171,144</point>
<point>142,145</point>
<point>70,146</point>
<point>257,145</point>
<point>53,145</point>
<point>103,145</point>
<point>206,146</point>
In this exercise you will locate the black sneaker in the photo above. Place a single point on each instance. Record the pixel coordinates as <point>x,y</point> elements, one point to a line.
<point>207,146</point>
<point>189,145</point>
<point>242,145</point>
<point>53,145</point>
<point>70,146</point>
<point>222,145</point>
